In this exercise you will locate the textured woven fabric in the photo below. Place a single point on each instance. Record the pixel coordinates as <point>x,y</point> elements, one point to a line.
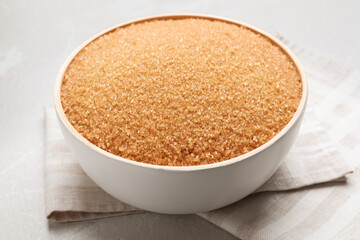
<point>321,154</point>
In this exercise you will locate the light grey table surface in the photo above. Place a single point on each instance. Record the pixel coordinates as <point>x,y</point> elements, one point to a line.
<point>36,37</point>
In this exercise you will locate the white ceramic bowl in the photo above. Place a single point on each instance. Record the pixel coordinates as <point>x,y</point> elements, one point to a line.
<point>181,190</point>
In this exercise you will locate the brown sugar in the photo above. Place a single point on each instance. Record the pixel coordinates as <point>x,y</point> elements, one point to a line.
<point>180,92</point>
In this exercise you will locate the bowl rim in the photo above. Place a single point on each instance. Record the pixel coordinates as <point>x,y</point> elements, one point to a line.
<point>78,136</point>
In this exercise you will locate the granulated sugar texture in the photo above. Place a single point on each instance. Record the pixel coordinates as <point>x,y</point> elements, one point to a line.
<point>180,92</point>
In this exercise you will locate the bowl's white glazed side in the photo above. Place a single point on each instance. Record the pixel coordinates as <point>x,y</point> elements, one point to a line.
<point>181,190</point>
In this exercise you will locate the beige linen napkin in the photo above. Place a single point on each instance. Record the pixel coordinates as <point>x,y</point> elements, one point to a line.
<point>325,211</point>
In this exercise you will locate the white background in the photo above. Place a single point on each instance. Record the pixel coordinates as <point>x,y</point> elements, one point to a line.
<point>36,37</point>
